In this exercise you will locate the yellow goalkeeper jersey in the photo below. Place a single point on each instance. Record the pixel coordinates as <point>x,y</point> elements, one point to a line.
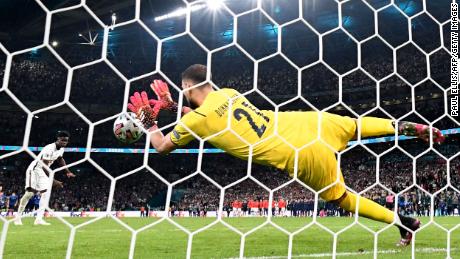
<point>230,122</point>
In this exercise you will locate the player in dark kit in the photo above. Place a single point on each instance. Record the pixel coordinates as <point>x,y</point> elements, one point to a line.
<point>12,202</point>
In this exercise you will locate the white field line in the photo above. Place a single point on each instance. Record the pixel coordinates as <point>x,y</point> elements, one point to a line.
<point>426,250</point>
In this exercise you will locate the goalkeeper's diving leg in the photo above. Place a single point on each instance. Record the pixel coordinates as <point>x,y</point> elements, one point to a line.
<point>324,172</point>
<point>371,126</point>
<point>372,210</point>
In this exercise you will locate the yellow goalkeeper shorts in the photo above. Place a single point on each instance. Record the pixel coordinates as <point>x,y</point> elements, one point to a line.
<point>318,167</point>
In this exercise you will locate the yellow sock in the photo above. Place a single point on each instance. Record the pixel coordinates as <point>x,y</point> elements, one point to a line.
<point>371,126</point>
<point>367,208</point>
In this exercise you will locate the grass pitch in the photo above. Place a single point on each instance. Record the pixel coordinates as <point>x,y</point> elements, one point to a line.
<point>107,238</point>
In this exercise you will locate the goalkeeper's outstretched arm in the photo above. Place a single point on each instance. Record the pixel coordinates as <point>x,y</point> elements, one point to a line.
<point>142,106</point>
<point>161,143</point>
<point>147,111</point>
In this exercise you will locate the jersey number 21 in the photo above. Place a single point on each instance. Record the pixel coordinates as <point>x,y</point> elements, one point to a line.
<point>238,113</point>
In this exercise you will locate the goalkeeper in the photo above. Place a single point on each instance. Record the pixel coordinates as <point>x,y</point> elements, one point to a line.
<point>317,165</point>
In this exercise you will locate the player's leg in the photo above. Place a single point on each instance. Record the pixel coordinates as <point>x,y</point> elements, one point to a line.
<point>42,185</point>
<point>30,183</point>
<point>325,172</point>
<point>371,126</point>
<point>22,206</point>
<point>338,130</point>
<point>44,195</point>
<point>372,210</point>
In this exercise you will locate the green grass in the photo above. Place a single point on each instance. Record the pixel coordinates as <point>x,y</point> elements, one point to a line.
<point>106,238</point>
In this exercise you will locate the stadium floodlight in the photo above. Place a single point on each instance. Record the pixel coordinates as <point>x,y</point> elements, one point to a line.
<point>91,41</point>
<point>214,4</point>
<point>179,12</point>
<point>114,21</point>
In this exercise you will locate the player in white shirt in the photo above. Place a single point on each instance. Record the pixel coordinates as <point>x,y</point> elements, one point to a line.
<point>37,180</point>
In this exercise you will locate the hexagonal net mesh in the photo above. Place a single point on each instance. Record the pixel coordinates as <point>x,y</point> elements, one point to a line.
<point>356,58</point>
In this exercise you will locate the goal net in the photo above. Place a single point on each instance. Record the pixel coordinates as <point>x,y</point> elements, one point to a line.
<point>72,66</point>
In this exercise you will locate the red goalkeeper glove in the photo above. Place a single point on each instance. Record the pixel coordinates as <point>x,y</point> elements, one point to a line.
<point>140,105</point>
<point>421,131</point>
<point>164,97</point>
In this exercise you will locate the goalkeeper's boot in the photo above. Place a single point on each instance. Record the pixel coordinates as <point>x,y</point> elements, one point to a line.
<point>41,222</point>
<point>420,131</point>
<point>406,235</point>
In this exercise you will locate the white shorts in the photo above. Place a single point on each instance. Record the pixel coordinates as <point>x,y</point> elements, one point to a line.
<point>37,179</point>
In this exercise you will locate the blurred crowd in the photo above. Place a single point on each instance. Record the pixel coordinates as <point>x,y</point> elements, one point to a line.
<point>40,80</point>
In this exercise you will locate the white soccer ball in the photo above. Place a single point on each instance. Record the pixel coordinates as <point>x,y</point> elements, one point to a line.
<point>125,130</point>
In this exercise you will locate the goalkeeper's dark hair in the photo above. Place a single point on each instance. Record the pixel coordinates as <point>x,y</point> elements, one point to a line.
<point>196,73</point>
<point>62,133</point>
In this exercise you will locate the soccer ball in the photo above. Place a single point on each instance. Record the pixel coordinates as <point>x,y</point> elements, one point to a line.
<point>125,130</point>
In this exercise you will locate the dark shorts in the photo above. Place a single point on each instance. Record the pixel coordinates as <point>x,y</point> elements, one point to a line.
<point>389,205</point>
